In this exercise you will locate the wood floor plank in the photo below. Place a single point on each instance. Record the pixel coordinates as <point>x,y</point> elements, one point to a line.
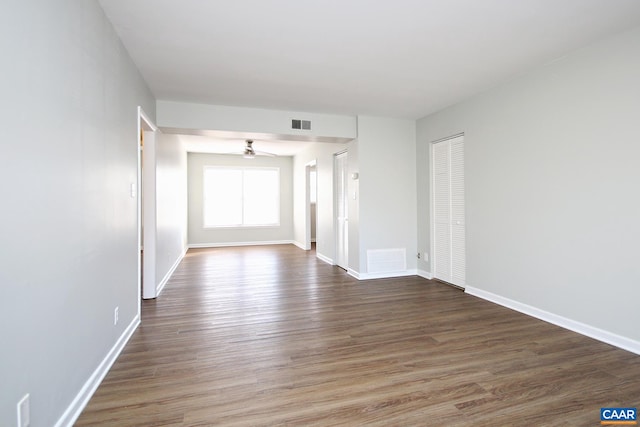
<point>270,335</point>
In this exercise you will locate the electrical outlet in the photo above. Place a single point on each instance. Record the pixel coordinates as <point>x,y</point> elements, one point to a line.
<point>24,415</point>
<point>115,316</point>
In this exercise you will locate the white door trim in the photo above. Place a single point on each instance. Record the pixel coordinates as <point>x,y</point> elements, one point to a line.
<point>146,213</point>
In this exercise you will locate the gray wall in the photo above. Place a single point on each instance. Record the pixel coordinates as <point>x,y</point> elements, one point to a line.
<point>552,173</point>
<point>171,203</point>
<point>200,236</point>
<point>387,187</point>
<point>68,223</point>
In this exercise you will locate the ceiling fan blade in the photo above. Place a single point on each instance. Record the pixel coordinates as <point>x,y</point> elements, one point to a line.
<point>249,152</point>
<point>264,153</point>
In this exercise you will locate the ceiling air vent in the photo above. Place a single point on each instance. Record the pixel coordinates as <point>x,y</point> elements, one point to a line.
<point>301,124</point>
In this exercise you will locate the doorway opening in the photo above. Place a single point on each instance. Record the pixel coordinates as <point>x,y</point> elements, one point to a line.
<point>311,205</point>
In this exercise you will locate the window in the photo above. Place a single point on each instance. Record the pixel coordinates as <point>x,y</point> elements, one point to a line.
<point>241,197</point>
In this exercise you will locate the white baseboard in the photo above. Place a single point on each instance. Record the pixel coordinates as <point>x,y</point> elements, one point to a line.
<point>167,276</point>
<point>301,246</point>
<point>76,407</point>
<point>579,327</point>
<point>425,274</point>
<point>385,275</point>
<point>324,258</point>
<point>227,244</point>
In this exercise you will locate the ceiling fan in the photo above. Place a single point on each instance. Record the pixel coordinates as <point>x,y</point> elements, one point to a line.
<point>250,152</point>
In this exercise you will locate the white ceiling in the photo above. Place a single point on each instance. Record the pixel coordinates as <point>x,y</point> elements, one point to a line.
<point>400,58</point>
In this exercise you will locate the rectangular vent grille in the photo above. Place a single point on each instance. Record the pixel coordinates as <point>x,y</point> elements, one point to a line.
<point>301,124</point>
<point>386,260</point>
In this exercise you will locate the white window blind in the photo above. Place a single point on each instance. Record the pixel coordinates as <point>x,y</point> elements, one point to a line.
<point>241,197</point>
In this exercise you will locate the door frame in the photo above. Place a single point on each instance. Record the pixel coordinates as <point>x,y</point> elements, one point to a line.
<point>146,213</point>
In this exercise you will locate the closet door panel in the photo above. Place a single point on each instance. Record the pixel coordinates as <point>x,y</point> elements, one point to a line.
<point>449,211</point>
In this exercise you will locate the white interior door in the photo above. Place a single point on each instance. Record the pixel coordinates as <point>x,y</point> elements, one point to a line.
<point>341,209</point>
<point>448,211</point>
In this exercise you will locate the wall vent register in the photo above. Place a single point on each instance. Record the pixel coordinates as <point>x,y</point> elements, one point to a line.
<point>300,124</point>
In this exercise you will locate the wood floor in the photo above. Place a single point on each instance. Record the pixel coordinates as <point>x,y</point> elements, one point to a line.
<point>262,336</point>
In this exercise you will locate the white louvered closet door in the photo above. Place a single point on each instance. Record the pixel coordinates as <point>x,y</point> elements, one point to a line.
<point>441,212</point>
<point>448,211</point>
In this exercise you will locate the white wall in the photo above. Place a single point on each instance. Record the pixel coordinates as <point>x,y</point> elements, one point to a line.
<point>387,188</point>
<point>68,223</point>
<point>200,236</point>
<point>324,127</point>
<point>171,205</point>
<point>322,153</point>
<point>353,207</point>
<point>552,173</point>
